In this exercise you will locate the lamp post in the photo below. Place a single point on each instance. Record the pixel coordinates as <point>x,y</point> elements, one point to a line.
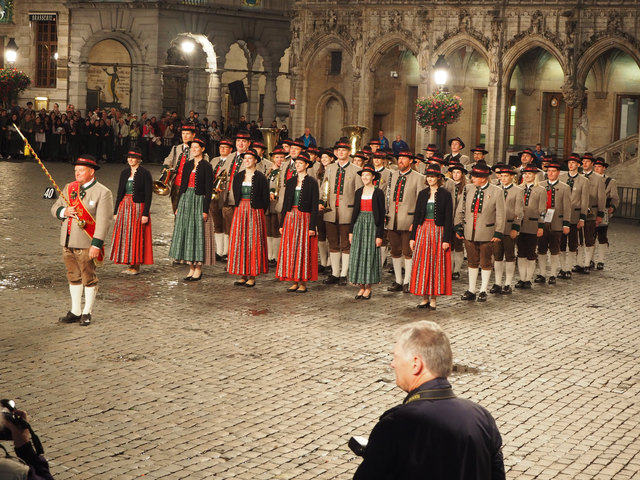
<point>441,72</point>
<point>11,51</point>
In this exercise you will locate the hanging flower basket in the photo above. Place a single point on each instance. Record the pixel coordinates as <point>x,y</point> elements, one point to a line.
<point>438,110</point>
<point>12,82</point>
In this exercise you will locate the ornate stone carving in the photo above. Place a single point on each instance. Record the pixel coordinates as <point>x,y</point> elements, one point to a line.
<point>573,94</point>
<point>614,22</point>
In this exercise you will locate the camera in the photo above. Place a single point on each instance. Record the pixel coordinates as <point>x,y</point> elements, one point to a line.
<point>7,410</point>
<point>358,445</point>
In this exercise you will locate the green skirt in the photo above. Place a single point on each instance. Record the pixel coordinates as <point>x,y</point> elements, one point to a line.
<point>188,231</point>
<point>364,258</point>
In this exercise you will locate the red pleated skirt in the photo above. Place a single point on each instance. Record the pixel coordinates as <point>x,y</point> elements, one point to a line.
<point>131,242</point>
<point>248,241</point>
<point>431,270</point>
<point>298,254</point>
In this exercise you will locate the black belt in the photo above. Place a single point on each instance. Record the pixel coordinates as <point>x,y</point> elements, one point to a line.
<point>434,394</point>
<point>510,220</point>
<point>535,219</point>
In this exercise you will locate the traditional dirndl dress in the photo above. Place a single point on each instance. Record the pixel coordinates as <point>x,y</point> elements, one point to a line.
<point>431,272</point>
<point>248,238</point>
<point>193,240</point>
<point>298,254</point>
<point>364,258</point>
<point>131,242</point>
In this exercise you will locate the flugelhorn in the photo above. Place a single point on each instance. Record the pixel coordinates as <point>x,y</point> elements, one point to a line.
<point>162,186</point>
<point>325,195</point>
<point>219,184</point>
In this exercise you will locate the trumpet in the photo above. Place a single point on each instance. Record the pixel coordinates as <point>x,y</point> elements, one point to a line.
<point>219,184</point>
<point>163,185</point>
<point>325,195</point>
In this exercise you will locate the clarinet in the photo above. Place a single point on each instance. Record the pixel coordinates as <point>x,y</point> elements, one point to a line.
<point>389,186</point>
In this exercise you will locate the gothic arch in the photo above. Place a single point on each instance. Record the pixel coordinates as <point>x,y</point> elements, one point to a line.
<point>320,42</point>
<point>379,48</point>
<point>203,42</point>
<point>511,57</point>
<point>462,40</point>
<point>321,103</point>
<point>600,47</point>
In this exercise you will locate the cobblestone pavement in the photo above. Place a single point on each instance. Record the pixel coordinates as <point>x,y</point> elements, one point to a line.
<point>208,380</point>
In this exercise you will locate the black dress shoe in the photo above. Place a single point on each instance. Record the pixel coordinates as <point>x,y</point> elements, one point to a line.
<point>293,289</point>
<point>405,288</point>
<point>218,258</point>
<point>394,287</point>
<point>330,280</point>
<point>482,297</point>
<point>520,284</point>
<point>358,297</point>
<point>561,274</point>
<point>567,275</point>
<point>187,278</point>
<point>455,276</point>
<point>506,290</point>
<point>552,280</point>
<point>224,258</point>
<point>196,279</point>
<point>600,266</point>
<point>342,281</point>
<point>366,297</point>
<point>527,285</point>
<point>577,268</point>
<point>69,318</point>
<point>591,264</point>
<point>321,269</point>
<point>239,283</point>
<point>304,290</point>
<point>540,279</point>
<point>424,306</point>
<point>496,288</point>
<point>250,285</point>
<point>85,320</point>
<point>273,263</point>
<point>586,270</point>
<point>468,296</point>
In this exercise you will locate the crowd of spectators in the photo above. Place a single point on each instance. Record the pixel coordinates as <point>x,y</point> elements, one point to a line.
<point>62,135</point>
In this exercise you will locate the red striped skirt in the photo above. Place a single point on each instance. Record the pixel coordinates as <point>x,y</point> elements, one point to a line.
<point>131,242</point>
<point>248,241</point>
<point>431,270</point>
<point>298,254</point>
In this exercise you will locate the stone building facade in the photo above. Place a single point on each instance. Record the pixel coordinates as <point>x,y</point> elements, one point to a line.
<point>548,71</point>
<point>129,55</point>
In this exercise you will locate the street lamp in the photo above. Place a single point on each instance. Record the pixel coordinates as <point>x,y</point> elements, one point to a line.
<point>188,46</point>
<point>11,51</point>
<point>441,72</point>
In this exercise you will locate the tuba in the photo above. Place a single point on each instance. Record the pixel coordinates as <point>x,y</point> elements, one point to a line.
<point>270,137</point>
<point>162,186</point>
<point>219,184</point>
<point>355,134</point>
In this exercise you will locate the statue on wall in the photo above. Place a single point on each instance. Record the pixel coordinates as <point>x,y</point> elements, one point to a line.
<point>582,130</point>
<point>113,81</point>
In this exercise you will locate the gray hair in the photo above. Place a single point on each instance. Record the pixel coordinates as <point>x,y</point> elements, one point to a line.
<point>428,341</point>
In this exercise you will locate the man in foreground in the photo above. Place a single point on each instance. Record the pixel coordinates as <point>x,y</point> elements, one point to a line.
<point>433,434</point>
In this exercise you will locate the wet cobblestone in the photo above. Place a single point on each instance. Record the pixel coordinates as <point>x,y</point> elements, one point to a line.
<point>208,380</point>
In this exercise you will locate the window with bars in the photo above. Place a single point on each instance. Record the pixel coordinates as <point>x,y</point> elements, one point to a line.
<point>46,53</point>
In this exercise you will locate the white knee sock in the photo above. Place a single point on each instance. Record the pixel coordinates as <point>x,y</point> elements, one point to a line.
<point>270,254</point>
<point>542,263</point>
<point>397,269</point>
<point>601,252</point>
<point>522,269</point>
<point>225,248</point>
<point>555,265</point>
<point>580,256</point>
<point>276,247</point>
<point>588,255</point>
<point>408,262</point>
<point>499,270</point>
<point>219,243</point>
<point>510,268</point>
<point>335,263</point>
<point>323,249</point>
<point>383,255</point>
<point>345,265</point>
<point>531,268</point>
<point>563,261</point>
<point>458,259</point>
<point>473,278</point>
<point>89,299</point>
<point>485,276</point>
<point>76,298</point>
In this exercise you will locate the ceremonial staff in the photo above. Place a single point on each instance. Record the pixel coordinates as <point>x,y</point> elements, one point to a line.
<point>81,223</point>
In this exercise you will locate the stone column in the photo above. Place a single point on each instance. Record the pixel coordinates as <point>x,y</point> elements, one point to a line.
<point>214,97</point>
<point>78,86</point>
<point>298,91</point>
<point>497,141</point>
<point>148,97</point>
<point>269,113</point>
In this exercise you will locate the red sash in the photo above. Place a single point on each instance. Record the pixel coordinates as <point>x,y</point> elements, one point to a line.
<point>83,214</point>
